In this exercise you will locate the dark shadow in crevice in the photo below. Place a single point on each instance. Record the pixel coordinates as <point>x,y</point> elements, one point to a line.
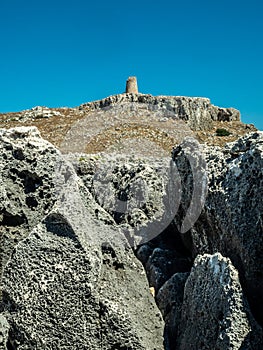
<point>13,220</point>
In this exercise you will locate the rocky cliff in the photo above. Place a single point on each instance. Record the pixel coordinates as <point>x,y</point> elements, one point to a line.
<point>153,241</point>
<point>197,111</point>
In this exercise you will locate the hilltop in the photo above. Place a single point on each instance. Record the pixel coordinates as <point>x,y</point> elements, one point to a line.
<point>116,120</point>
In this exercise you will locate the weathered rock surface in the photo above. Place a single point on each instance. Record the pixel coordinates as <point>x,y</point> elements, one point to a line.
<point>134,191</point>
<point>164,263</point>
<point>40,112</point>
<point>35,113</point>
<point>4,330</point>
<point>27,189</point>
<point>197,111</point>
<point>170,300</point>
<point>231,221</point>
<point>205,236</point>
<point>214,312</point>
<point>69,278</point>
<point>71,281</point>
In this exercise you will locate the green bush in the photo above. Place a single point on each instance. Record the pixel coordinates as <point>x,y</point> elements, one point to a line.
<point>222,132</point>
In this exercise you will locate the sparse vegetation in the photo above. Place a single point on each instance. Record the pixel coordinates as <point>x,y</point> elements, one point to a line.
<point>55,128</point>
<point>222,132</point>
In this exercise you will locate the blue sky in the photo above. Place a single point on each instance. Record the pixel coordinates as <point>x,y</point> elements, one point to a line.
<point>64,53</point>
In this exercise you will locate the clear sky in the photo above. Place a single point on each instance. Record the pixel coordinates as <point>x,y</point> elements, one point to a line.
<point>64,53</point>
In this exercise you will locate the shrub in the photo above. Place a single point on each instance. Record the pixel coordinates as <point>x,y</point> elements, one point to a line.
<point>222,132</point>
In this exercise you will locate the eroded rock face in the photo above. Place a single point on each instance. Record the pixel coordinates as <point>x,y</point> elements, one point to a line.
<point>197,111</point>
<point>160,257</point>
<point>162,264</point>
<point>27,190</point>
<point>134,191</point>
<point>39,112</point>
<point>214,312</point>
<point>72,281</point>
<point>231,221</point>
<point>170,300</point>
<point>4,330</point>
<point>69,277</point>
<point>77,297</point>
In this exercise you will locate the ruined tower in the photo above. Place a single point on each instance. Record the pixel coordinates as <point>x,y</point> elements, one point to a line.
<point>131,85</point>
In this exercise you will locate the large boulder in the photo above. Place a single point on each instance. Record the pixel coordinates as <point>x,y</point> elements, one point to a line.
<point>215,314</point>
<point>71,281</point>
<point>231,219</point>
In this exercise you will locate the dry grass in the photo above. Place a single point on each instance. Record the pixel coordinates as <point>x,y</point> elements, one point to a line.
<point>164,135</point>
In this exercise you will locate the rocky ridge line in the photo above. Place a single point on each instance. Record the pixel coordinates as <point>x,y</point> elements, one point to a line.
<point>197,111</point>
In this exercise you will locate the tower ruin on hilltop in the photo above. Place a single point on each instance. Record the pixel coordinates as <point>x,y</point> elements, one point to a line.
<point>131,85</point>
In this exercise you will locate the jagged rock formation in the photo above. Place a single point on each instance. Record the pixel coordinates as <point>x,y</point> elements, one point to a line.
<point>88,240</point>
<point>170,300</point>
<point>196,111</point>
<point>38,112</point>
<point>71,282</point>
<point>231,221</point>
<point>214,312</point>
<point>224,224</point>
<point>128,123</point>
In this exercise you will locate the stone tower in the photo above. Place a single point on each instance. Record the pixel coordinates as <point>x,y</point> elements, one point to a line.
<point>131,85</point>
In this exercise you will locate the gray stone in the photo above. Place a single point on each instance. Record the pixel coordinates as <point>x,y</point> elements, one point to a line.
<point>228,114</point>
<point>162,264</point>
<point>198,112</point>
<point>39,112</point>
<point>4,329</point>
<point>69,277</point>
<point>27,191</point>
<point>144,252</point>
<point>231,220</point>
<point>72,281</point>
<point>215,314</point>
<point>134,191</point>
<point>170,300</point>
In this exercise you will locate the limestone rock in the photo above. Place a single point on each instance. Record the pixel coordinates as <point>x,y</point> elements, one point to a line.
<point>198,112</point>
<point>135,192</point>
<point>215,314</point>
<point>170,300</point>
<point>39,112</point>
<point>228,114</point>
<point>27,164</point>
<point>71,281</point>
<point>4,330</point>
<point>231,220</point>
<point>162,264</point>
<point>69,277</point>
<point>77,297</point>
<point>144,252</point>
